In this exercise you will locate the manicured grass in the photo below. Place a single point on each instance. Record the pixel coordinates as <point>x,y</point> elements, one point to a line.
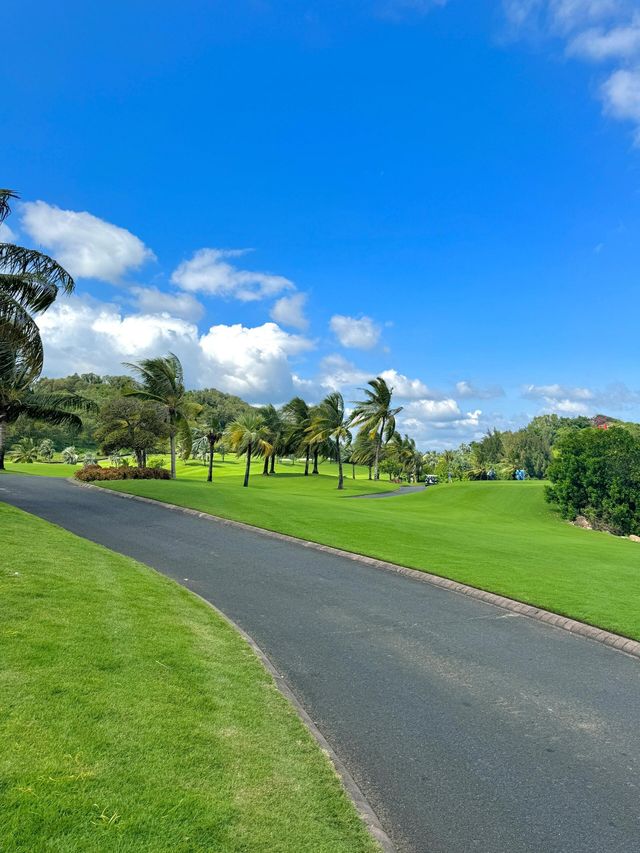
<point>44,469</point>
<point>498,536</point>
<point>133,718</point>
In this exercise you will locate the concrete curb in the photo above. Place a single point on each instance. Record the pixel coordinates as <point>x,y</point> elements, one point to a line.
<point>354,792</point>
<point>582,629</point>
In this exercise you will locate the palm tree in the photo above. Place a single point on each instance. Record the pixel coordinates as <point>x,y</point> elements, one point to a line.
<point>162,382</point>
<point>249,434</point>
<point>25,450</point>
<point>364,450</point>
<point>70,455</point>
<point>297,416</point>
<point>376,416</point>
<point>276,428</point>
<point>18,396</point>
<point>46,449</point>
<point>29,283</point>
<point>208,433</point>
<point>330,424</point>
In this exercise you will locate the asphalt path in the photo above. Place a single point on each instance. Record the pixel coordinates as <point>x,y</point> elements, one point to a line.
<point>467,727</point>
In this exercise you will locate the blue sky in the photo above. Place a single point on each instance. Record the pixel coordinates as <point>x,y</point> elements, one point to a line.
<point>446,192</point>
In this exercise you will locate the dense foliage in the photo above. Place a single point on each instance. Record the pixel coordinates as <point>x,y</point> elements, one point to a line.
<point>90,473</point>
<point>596,473</point>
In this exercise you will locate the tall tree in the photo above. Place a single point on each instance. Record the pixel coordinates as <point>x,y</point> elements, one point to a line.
<point>29,284</point>
<point>297,416</point>
<point>331,424</point>
<point>364,450</point>
<point>125,423</point>
<point>161,381</point>
<point>249,434</point>
<point>276,428</point>
<point>209,429</point>
<point>376,415</point>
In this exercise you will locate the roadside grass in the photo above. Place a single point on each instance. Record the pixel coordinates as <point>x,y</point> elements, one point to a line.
<point>133,718</point>
<point>498,536</point>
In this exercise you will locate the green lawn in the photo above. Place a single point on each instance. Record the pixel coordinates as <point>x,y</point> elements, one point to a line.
<point>499,536</point>
<point>133,718</point>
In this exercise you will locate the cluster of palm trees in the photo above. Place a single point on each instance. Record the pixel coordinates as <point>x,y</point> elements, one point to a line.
<point>29,284</point>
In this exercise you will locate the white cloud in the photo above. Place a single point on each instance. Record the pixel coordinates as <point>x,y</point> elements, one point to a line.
<point>84,335</point>
<point>405,388</point>
<point>289,311</point>
<point>355,333</point>
<point>209,271</point>
<point>6,234</point>
<point>568,400</point>
<point>604,31</point>
<point>467,390</point>
<point>86,246</point>
<point>437,424</point>
<point>150,300</point>
<point>336,373</point>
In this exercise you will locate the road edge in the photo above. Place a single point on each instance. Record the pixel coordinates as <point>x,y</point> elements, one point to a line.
<point>573,626</point>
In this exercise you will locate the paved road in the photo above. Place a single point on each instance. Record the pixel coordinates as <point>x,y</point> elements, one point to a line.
<point>468,728</point>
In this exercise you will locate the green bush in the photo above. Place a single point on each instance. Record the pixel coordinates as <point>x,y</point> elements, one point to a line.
<point>94,472</point>
<point>597,474</point>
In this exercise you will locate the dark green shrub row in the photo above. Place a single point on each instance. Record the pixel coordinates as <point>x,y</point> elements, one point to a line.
<point>597,474</point>
<point>94,472</point>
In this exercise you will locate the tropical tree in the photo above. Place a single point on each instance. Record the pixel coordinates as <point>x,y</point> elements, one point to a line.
<point>331,424</point>
<point>19,397</point>
<point>364,450</point>
<point>297,416</point>
<point>206,435</point>
<point>125,423</point>
<point>276,428</point>
<point>46,449</point>
<point>249,434</point>
<point>25,450</point>
<point>29,283</point>
<point>376,415</point>
<point>89,457</point>
<point>161,381</point>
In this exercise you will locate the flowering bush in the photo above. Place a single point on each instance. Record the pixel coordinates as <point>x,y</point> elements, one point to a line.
<point>94,472</point>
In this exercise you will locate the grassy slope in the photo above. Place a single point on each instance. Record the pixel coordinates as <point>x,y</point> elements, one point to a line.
<point>498,536</point>
<point>133,718</point>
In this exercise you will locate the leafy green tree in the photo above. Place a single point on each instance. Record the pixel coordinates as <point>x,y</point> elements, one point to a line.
<point>376,415</point>
<point>162,382</point>
<point>249,435</point>
<point>25,451</point>
<point>331,424</point>
<point>127,423</point>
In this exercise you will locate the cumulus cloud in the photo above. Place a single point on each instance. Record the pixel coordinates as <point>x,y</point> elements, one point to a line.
<point>405,388</point>
<point>88,247</point>
<point>86,335</point>
<point>209,271</point>
<point>437,424</point>
<point>569,400</point>
<point>355,333</point>
<point>337,373</point>
<point>601,31</point>
<point>289,311</point>
<point>6,234</point>
<point>151,300</point>
<point>467,390</point>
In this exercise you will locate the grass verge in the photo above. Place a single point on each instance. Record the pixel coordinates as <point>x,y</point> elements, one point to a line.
<point>133,718</point>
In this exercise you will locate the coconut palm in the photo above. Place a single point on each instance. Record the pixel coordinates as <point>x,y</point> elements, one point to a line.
<point>297,415</point>
<point>364,450</point>
<point>19,397</point>
<point>206,435</point>
<point>375,415</point>
<point>330,424</point>
<point>24,450</point>
<point>29,283</point>
<point>162,382</point>
<point>249,434</point>
<point>46,449</point>
<point>276,429</point>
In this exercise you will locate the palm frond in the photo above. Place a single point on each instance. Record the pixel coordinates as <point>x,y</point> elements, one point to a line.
<point>5,203</point>
<point>34,266</point>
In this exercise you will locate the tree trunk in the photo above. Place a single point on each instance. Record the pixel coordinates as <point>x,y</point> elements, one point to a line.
<point>369,471</point>
<point>212,444</point>
<point>376,464</point>
<point>172,451</point>
<point>3,432</point>
<point>139,459</point>
<point>340,477</point>
<point>272,470</point>
<point>306,463</point>
<point>248,468</point>
<point>144,458</point>
<point>265,469</point>
<point>316,451</point>
<point>353,470</point>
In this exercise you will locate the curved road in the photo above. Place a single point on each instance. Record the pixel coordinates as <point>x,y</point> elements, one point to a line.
<point>468,728</point>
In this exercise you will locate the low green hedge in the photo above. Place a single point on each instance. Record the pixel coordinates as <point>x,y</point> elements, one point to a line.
<point>94,472</point>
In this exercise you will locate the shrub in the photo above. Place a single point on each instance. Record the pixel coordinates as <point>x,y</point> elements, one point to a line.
<point>597,474</point>
<point>94,472</point>
<point>157,462</point>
